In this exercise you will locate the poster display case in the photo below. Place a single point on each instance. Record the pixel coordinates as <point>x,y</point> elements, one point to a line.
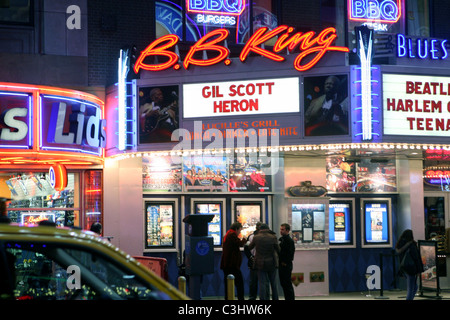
<point>248,212</point>
<point>429,279</point>
<point>160,224</point>
<point>376,223</point>
<point>217,207</point>
<point>342,223</point>
<point>309,222</point>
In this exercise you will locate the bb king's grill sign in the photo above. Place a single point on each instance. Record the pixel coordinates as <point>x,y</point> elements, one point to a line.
<point>312,48</point>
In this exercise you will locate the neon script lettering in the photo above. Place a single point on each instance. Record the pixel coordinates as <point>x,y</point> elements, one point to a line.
<point>309,44</point>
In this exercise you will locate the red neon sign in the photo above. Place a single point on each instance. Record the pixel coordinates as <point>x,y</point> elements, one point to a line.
<point>308,43</point>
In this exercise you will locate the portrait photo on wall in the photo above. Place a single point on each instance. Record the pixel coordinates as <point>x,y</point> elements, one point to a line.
<point>326,105</point>
<point>158,113</point>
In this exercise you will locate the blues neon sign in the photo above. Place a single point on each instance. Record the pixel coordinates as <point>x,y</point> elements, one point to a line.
<point>385,11</point>
<point>224,7</point>
<point>421,48</point>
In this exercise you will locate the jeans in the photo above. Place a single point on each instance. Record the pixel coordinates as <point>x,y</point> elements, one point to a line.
<point>411,286</point>
<point>264,279</point>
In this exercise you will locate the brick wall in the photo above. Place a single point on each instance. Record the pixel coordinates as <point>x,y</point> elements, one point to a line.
<point>113,25</point>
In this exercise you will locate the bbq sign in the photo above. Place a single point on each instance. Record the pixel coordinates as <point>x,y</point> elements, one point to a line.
<point>384,11</point>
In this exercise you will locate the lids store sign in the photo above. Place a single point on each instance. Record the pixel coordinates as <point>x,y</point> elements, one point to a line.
<point>416,105</point>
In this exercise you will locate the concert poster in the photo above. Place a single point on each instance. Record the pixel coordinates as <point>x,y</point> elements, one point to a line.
<point>326,105</point>
<point>205,174</point>
<point>249,174</point>
<point>158,114</point>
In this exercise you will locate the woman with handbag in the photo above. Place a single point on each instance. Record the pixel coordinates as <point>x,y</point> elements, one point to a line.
<point>410,261</point>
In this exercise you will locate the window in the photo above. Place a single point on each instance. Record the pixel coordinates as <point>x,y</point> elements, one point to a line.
<point>45,272</point>
<point>418,18</point>
<point>17,12</point>
<point>202,17</point>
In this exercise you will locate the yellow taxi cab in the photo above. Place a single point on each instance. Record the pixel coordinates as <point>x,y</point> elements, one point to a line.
<point>50,263</point>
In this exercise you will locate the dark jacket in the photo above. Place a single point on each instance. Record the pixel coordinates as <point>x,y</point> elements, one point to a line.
<point>287,250</point>
<point>267,250</point>
<point>402,248</point>
<point>231,254</point>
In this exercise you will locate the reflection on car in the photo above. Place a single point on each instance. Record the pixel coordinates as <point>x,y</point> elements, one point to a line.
<point>64,264</point>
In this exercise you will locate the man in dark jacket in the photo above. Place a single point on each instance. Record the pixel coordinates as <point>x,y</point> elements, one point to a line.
<point>287,250</point>
<point>266,261</point>
<point>232,258</point>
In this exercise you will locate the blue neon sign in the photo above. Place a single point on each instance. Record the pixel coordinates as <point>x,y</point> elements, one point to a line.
<point>421,48</point>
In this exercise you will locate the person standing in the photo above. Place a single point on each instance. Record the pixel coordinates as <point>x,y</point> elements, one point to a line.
<point>232,259</point>
<point>287,250</point>
<point>253,282</point>
<point>407,245</point>
<point>266,261</point>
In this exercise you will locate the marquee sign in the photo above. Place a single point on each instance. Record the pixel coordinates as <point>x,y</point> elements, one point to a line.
<point>312,48</point>
<point>241,98</point>
<point>416,105</point>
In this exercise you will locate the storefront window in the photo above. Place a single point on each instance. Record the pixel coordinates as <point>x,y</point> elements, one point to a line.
<point>33,199</point>
<point>333,15</point>
<point>93,197</point>
<point>19,12</point>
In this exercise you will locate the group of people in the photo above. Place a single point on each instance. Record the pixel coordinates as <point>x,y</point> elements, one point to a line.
<point>266,255</point>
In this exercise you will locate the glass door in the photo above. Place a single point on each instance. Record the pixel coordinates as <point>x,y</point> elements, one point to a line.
<point>436,213</point>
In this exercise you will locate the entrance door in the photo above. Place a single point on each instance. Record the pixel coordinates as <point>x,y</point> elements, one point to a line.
<point>436,215</point>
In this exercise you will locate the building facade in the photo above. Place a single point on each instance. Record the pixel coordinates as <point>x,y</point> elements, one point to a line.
<point>328,115</point>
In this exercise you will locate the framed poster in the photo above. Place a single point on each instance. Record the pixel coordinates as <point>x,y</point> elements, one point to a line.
<point>248,212</point>
<point>376,223</point>
<point>250,174</point>
<point>218,209</point>
<point>326,105</point>
<point>342,223</point>
<point>161,174</point>
<point>160,224</point>
<point>308,222</point>
<point>158,115</point>
<point>205,173</point>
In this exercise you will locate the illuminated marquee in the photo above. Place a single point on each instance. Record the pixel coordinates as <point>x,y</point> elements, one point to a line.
<point>311,45</point>
<point>384,11</point>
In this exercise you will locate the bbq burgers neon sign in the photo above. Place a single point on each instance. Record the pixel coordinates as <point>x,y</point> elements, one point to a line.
<point>312,48</point>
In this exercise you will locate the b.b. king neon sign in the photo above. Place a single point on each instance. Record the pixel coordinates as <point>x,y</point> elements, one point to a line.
<point>311,46</point>
<point>384,11</point>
